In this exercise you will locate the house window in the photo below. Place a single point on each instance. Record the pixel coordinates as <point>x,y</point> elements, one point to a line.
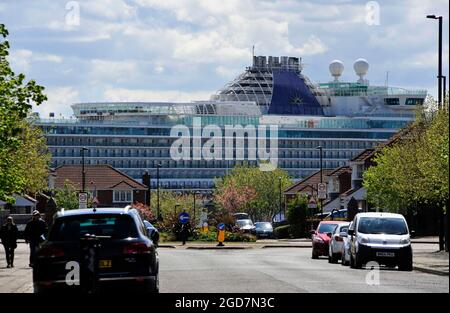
<point>123,196</point>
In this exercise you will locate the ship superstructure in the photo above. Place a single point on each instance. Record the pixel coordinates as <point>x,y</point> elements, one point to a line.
<point>342,117</point>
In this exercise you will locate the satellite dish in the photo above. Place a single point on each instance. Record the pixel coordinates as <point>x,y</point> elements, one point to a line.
<point>361,67</point>
<point>336,69</point>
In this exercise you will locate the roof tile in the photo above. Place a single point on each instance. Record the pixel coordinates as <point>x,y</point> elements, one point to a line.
<point>103,177</point>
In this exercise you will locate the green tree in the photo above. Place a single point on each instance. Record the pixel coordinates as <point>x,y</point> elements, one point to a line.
<point>297,214</point>
<point>16,100</point>
<point>67,197</point>
<point>415,169</point>
<point>250,190</point>
<point>32,156</point>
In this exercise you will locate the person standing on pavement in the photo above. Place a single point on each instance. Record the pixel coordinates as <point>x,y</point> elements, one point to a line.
<point>35,232</point>
<point>8,236</point>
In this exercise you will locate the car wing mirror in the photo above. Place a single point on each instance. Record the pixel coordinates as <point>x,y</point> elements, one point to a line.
<point>351,232</point>
<point>412,233</point>
<point>155,237</point>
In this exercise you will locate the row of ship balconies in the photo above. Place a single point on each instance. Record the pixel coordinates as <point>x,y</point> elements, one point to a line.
<point>141,153</point>
<point>211,168</point>
<point>143,143</point>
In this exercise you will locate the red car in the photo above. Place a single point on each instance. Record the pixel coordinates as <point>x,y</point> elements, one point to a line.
<point>321,238</point>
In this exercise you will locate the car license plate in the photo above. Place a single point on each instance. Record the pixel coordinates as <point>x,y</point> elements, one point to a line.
<point>386,254</point>
<point>105,264</point>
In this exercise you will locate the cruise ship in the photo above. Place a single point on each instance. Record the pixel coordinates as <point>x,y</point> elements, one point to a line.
<point>343,118</point>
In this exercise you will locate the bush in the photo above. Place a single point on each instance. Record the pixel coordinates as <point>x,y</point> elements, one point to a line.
<point>239,237</point>
<point>281,232</point>
<point>166,236</point>
<point>210,236</point>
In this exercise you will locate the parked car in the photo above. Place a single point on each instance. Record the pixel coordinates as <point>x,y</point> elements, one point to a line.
<point>336,243</point>
<point>263,230</point>
<point>241,216</point>
<point>321,237</point>
<point>245,226</point>
<point>152,232</point>
<point>114,240</point>
<point>345,253</point>
<point>380,237</point>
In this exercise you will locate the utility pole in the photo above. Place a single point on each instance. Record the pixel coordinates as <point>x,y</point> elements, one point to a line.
<point>83,172</point>
<point>321,178</point>
<point>279,197</point>
<point>157,192</point>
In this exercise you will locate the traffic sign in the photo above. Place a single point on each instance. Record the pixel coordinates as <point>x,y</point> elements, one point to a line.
<point>221,226</point>
<point>312,204</point>
<point>184,217</point>
<point>321,191</point>
<point>82,200</point>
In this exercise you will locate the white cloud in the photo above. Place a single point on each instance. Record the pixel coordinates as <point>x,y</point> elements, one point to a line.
<point>109,9</point>
<point>20,60</point>
<point>59,101</point>
<point>159,69</point>
<point>107,70</point>
<point>426,59</point>
<point>227,72</point>
<point>122,94</point>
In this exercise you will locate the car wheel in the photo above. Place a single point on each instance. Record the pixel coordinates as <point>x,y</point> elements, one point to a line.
<point>406,266</point>
<point>357,263</point>
<point>314,255</point>
<point>334,258</point>
<point>343,259</point>
<point>154,284</point>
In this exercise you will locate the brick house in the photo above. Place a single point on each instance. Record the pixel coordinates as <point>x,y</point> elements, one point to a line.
<point>307,186</point>
<point>108,185</point>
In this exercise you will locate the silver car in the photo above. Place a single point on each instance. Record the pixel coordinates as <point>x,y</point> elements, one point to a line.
<point>345,253</point>
<point>336,243</point>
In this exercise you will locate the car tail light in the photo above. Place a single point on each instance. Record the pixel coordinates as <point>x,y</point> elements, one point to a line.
<point>50,252</point>
<point>136,248</point>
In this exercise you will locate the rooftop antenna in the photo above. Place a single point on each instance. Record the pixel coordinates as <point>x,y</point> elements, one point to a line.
<point>253,50</point>
<point>387,79</point>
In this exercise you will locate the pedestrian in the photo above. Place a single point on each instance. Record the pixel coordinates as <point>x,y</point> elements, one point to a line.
<point>8,236</point>
<point>35,232</point>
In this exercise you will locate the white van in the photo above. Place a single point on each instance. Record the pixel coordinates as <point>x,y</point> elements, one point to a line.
<point>380,237</point>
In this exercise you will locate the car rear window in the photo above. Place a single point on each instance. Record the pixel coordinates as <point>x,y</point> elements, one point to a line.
<point>326,228</point>
<point>75,227</point>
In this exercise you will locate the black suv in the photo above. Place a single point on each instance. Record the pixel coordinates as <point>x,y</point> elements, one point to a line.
<point>96,250</point>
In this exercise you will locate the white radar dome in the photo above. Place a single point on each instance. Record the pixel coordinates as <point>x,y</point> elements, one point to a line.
<point>336,69</point>
<point>361,67</point>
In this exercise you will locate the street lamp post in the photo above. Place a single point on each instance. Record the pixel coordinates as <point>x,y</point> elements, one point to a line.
<point>321,178</point>
<point>279,196</point>
<point>434,17</point>
<point>194,194</point>
<point>157,192</point>
<point>83,172</point>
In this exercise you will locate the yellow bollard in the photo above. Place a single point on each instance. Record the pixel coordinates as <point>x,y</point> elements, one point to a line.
<point>221,234</point>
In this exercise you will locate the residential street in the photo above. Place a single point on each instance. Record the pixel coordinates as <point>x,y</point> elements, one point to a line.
<point>254,270</point>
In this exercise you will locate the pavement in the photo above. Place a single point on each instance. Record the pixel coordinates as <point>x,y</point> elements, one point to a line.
<point>263,266</point>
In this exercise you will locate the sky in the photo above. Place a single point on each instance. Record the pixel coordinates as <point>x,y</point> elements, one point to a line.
<point>184,50</point>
